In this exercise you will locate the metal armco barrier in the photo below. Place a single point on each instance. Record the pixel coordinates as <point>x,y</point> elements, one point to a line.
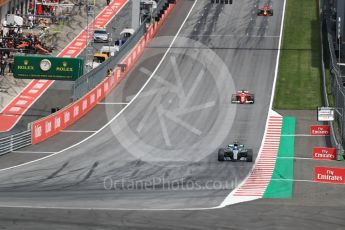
<point>14,142</point>
<point>53,124</point>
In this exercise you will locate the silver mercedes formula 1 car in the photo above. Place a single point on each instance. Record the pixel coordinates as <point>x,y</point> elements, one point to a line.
<point>235,152</point>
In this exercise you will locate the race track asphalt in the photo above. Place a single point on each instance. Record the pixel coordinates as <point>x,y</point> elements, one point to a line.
<point>261,215</point>
<point>160,151</point>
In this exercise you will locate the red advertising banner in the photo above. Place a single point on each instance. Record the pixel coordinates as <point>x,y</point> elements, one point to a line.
<point>320,130</point>
<point>323,153</point>
<point>329,175</point>
<point>52,125</point>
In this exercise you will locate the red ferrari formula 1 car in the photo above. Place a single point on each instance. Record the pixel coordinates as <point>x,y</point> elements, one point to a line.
<point>242,97</point>
<point>265,11</point>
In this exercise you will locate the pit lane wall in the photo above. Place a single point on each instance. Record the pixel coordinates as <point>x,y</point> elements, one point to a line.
<point>49,126</point>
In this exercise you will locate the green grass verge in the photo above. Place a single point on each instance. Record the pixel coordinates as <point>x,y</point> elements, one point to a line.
<point>281,182</point>
<point>299,76</point>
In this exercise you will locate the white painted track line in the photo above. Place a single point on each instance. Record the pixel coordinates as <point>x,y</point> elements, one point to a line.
<point>77,131</point>
<point>294,180</point>
<point>232,35</point>
<point>113,103</point>
<point>278,56</point>
<point>302,135</point>
<point>37,152</point>
<point>297,158</point>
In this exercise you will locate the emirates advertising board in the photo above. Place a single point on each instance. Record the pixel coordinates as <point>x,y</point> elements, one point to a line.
<point>320,130</point>
<point>329,175</point>
<point>324,153</point>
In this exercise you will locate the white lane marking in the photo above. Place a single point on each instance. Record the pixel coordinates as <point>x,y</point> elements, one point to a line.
<point>294,180</point>
<point>228,200</point>
<point>118,114</point>
<point>106,209</point>
<point>301,135</point>
<point>77,131</point>
<point>297,158</point>
<point>113,103</point>
<point>278,57</point>
<point>231,35</point>
<point>38,152</point>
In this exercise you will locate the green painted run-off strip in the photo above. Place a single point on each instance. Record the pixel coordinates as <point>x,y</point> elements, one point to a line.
<point>281,182</point>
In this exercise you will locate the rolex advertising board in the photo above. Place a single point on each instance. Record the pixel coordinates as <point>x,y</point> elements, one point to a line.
<point>47,68</point>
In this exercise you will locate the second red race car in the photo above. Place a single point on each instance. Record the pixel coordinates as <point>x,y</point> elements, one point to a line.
<point>242,97</point>
<point>265,11</point>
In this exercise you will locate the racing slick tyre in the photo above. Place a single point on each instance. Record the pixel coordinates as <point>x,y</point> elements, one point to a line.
<point>221,155</point>
<point>249,157</point>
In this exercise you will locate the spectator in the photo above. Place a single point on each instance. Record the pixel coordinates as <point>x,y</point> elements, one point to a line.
<point>109,72</point>
<point>31,21</point>
<point>10,64</point>
<point>5,56</point>
<point>10,67</point>
<point>108,2</point>
<point>2,67</point>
